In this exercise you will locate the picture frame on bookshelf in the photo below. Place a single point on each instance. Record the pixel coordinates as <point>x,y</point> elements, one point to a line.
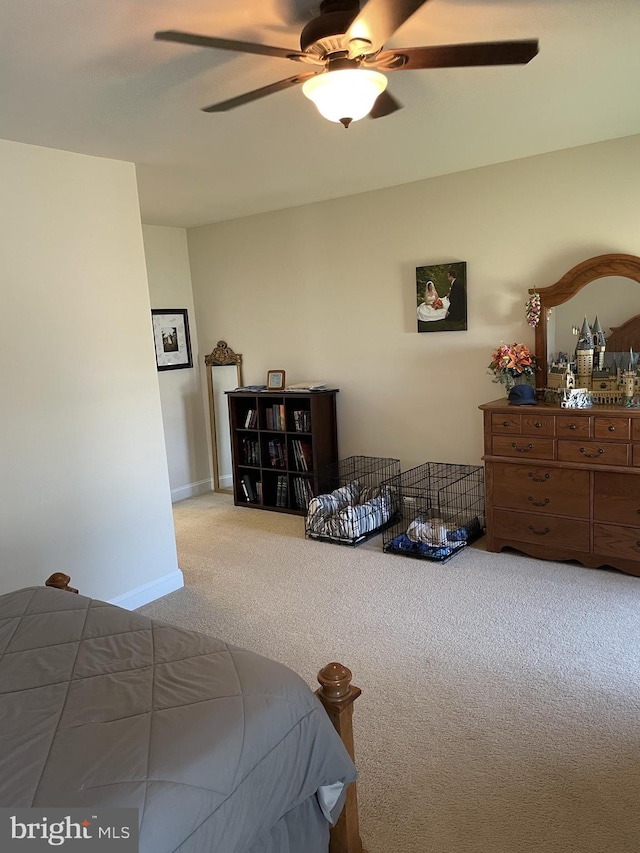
<point>171,338</point>
<point>441,295</point>
<point>275,380</point>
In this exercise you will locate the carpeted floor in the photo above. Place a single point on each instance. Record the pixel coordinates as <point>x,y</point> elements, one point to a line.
<point>500,693</point>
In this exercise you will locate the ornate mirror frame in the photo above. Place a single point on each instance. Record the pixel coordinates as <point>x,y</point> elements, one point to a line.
<point>222,356</point>
<point>624,266</point>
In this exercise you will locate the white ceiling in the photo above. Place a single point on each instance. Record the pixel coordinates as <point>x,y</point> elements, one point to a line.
<point>87,76</point>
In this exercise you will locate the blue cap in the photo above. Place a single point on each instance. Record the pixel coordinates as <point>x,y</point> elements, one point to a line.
<point>523,395</point>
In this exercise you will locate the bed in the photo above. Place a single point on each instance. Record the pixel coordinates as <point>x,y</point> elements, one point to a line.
<point>218,748</point>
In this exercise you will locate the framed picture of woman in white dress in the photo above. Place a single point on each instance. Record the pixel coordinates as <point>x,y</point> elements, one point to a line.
<point>441,297</point>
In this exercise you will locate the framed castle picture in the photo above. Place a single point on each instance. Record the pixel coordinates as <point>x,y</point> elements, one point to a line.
<point>441,297</point>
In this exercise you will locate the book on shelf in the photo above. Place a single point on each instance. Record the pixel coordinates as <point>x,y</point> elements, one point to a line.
<point>282,489</point>
<point>248,488</point>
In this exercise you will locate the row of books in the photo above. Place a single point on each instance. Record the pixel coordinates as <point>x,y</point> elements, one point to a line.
<point>302,420</point>
<point>252,490</point>
<point>251,420</point>
<point>302,491</point>
<point>277,454</point>
<point>302,455</point>
<point>250,451</point>
<point>276,417</point>
<point>282,491</point>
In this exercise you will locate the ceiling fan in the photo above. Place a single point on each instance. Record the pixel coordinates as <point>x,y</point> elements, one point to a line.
<point>345,43</point>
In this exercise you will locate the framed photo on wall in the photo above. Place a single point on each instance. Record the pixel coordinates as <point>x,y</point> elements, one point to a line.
<point>441,296</point>
<point>171,338</point>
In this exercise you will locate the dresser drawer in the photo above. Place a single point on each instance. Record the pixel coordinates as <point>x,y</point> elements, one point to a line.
<point>541,529</point>
<point>635,429</point>
<point>636,456</point>
<point>523,447</point>
<point>621,542</point>
<point>538,424</point>
<point>563,491</point>
<point>509,424</point>
<point>593,453</point>
<point>617,498</point>
<point>570,426</point>
<point>614,427</point>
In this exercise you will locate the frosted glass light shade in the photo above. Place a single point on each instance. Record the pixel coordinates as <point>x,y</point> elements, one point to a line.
<point>346,94</point>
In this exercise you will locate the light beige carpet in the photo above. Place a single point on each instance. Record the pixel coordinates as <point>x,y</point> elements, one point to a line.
<point>500,693</point>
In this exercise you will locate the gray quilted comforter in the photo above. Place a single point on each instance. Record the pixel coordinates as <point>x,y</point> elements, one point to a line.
<point>221,750</point>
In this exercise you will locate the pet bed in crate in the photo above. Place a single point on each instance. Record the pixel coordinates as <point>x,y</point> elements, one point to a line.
<point>441,509</point>
<point>358,505</point>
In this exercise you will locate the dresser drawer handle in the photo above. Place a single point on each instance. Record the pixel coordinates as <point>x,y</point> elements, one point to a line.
<point>537,425</point>
<point>539,532</point>
<point>522,449</point>
<point>572,426</point>
<point>505,423</point>
<point>612,429</point>
<point>591,455</point>
<point>541,479</point>
<point>539,503</point>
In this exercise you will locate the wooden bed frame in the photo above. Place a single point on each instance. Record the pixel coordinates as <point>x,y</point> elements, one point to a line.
<point>337,694</point>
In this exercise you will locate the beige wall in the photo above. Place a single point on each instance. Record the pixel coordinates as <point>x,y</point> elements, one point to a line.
<point>82,463</point>
<point>183,407</point>
<point>327,291</point>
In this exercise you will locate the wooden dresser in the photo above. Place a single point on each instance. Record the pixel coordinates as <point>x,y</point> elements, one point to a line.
<point>564,484</point>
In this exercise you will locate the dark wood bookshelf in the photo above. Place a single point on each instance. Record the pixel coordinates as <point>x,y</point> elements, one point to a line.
<point>280,442</point>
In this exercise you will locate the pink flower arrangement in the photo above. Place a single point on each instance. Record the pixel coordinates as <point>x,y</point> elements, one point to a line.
<point>532,309</point>
<point>511,361</point>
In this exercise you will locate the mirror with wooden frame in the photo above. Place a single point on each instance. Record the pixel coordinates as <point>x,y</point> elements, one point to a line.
<point>227,367</point>
<point>615,267</point>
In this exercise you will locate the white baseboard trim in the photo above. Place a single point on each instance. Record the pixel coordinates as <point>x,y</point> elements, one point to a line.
<point>191,490</point>
<point>226,481</point>
<point>149,592</point>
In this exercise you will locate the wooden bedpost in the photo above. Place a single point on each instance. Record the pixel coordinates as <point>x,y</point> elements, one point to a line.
<point>60,581</point>
<point>337,694</point>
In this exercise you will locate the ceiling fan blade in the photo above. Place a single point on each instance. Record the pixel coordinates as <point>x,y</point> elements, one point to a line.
<point>223,106</point>
<point>385,105</point>
<point>229,44</point>
<point>378,21</point>
<point>458,55</point>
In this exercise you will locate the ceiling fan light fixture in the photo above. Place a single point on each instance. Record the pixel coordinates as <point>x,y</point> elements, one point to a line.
<point>345,95</point>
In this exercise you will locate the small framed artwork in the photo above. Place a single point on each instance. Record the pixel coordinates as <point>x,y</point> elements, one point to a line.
<point>275,380</point>
<point>171,338</point>
<point>441,294</point>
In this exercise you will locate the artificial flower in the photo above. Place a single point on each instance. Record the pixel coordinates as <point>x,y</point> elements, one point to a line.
<point>511,361</point>
<point>532,309</point>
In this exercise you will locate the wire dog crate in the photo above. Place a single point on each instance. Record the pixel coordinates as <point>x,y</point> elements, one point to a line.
<point>441,509</point>
<point>354,504</point>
